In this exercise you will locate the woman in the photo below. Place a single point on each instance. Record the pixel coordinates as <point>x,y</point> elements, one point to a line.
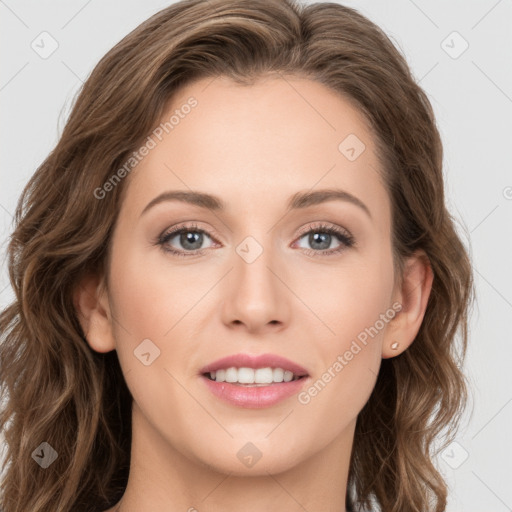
<point>237,283</point>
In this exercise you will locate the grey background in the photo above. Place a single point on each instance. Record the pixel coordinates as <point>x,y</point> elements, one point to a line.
<point>472,99</point>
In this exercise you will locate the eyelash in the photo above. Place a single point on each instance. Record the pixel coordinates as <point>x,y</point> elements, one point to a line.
<point>346,239</point>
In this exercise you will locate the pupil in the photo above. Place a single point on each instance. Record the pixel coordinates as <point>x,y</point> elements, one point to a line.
<point>324,239</point>
<point>188,238</point>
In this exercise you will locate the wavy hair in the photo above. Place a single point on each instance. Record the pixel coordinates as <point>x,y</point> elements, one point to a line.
<point>56,389</point>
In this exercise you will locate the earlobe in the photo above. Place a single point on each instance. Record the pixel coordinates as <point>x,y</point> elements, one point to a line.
<point>413,296</point>
<point>93,311</point>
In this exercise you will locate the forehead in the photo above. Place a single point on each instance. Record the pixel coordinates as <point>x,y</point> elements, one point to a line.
<point>257,143</point>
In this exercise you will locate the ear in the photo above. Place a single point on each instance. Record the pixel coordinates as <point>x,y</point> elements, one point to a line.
<point>93,310</point>
<point>412,294</point>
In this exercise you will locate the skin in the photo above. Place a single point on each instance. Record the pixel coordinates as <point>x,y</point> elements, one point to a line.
<point>253,147</point>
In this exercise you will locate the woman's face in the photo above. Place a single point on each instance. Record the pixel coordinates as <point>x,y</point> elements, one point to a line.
<point>254,276</point>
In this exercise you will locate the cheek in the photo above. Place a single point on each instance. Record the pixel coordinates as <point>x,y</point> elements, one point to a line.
<point>350,359</point>
<point>150,305</point>
<point>353,303</point>
<point>346,297</point>
<point>150,298</point>
<point>156,302</point>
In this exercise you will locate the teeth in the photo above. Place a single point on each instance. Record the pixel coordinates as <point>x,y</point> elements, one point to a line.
<point>245,375</point>
<point>231,375</point>
<point>251,376</point>
<point>278,374</point>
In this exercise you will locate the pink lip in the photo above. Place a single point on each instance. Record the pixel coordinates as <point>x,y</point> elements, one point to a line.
<point>255,361</point>
<point>254,397</point>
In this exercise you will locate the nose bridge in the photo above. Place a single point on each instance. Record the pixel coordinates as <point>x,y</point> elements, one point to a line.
<point>255,295</point>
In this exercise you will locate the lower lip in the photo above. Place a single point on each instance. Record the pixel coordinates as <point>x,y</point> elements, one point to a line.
<point>254,397</point>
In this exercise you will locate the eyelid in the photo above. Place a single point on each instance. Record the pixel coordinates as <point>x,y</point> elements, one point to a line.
<point>189,226</point>
<point>318,225</point>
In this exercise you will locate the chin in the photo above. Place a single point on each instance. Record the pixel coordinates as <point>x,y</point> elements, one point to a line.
<point>248,458</point>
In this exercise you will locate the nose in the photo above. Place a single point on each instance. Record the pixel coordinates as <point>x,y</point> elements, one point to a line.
<point>255,297</point>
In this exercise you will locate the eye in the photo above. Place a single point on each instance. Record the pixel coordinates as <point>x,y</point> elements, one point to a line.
<point>181,240</point>
<point>321,237</point>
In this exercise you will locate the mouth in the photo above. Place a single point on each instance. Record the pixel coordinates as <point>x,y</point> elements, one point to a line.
<point>254,381</point>
<point>253,377</point>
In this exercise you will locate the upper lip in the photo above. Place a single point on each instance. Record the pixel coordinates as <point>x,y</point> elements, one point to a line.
<point>255,362</point>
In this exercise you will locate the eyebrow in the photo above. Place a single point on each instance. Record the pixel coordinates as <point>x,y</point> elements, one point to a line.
<point>298,201</point>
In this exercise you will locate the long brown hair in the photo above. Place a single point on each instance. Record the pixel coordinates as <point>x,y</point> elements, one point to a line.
<point>56,389</point>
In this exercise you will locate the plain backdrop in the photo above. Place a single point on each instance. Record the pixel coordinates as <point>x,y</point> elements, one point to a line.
<point>460,51</point>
